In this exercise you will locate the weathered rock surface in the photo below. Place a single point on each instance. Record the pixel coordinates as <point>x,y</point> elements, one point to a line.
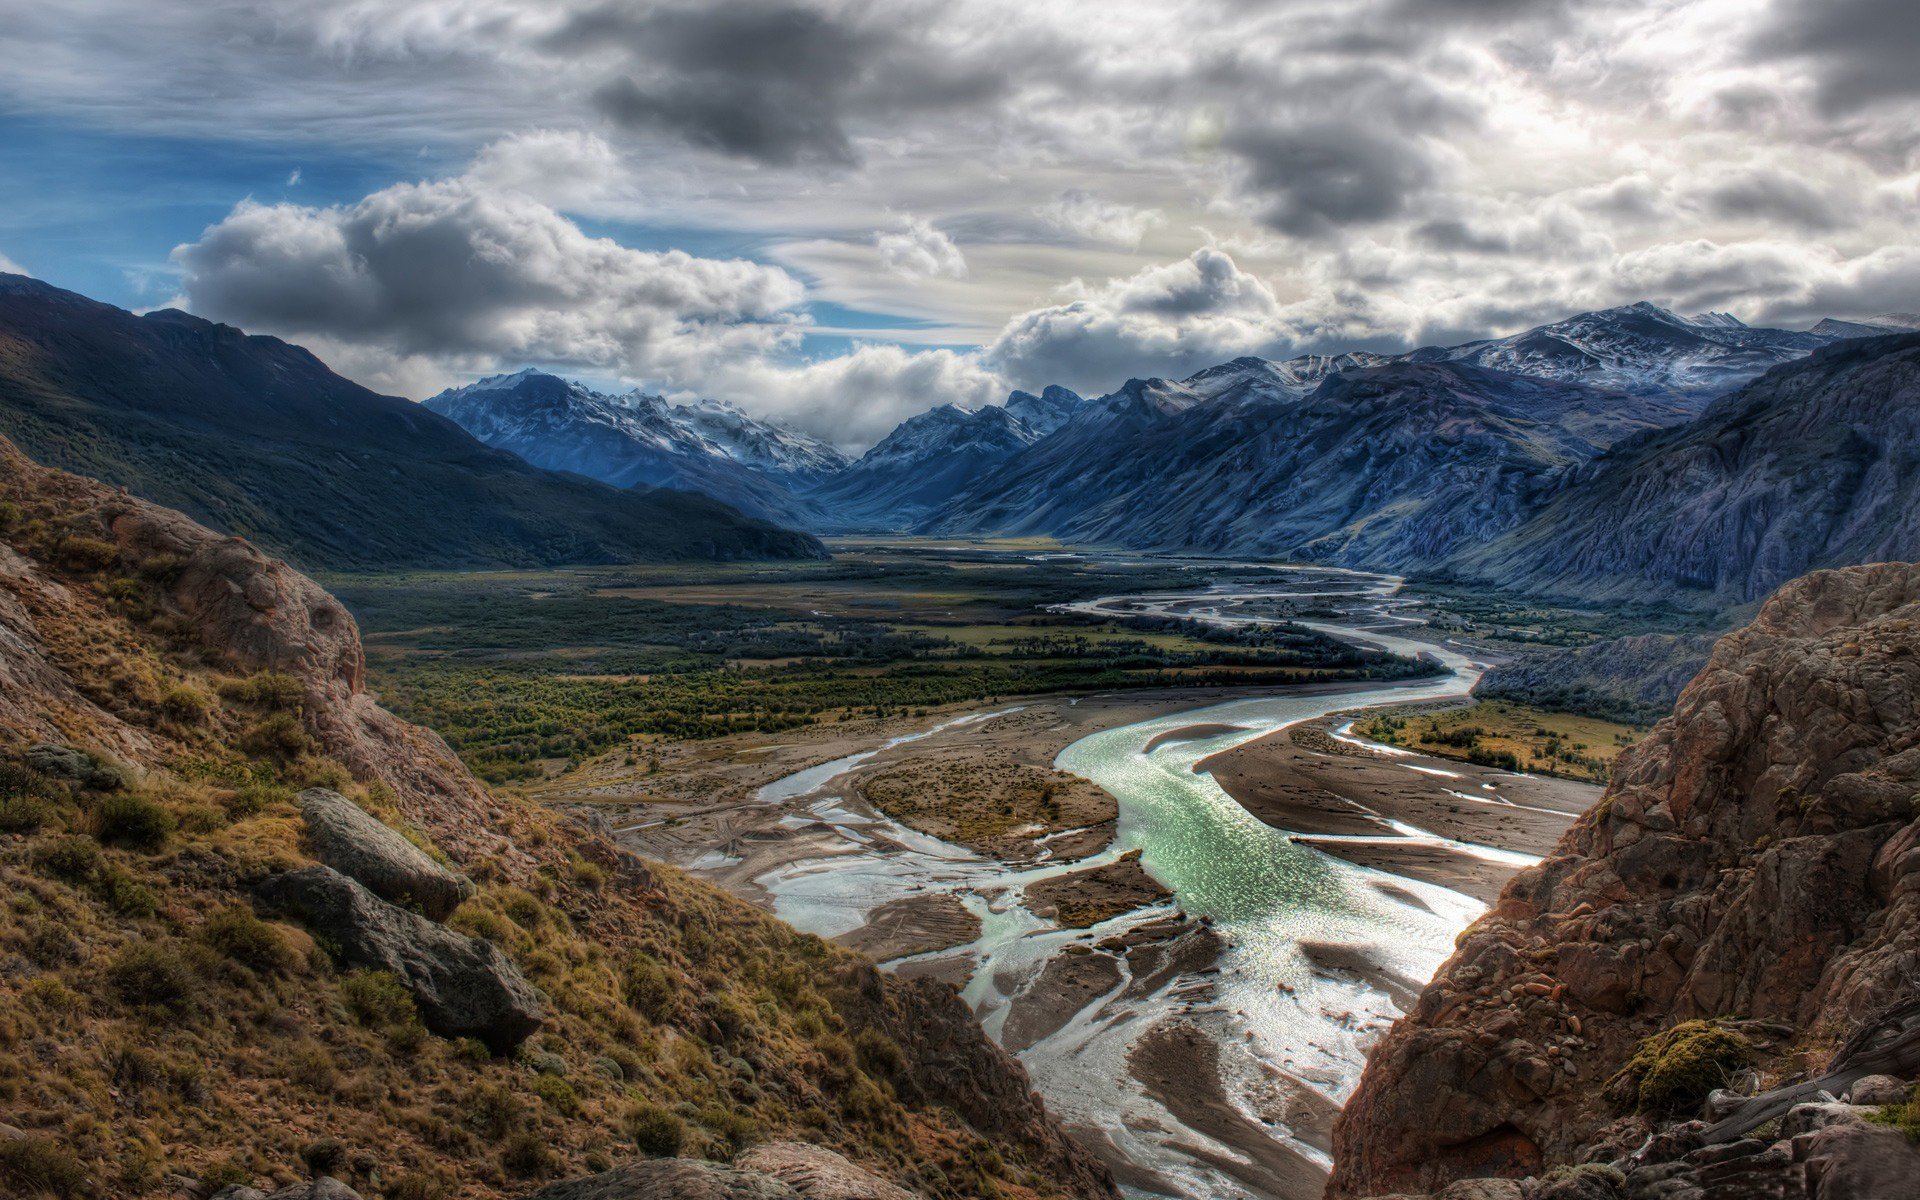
<point>818,1173</point>
<point>353,842</point>
<point>323,1188</point>
<point>464,986</point>
<point>1757,857</point>
<point>670,1179</point>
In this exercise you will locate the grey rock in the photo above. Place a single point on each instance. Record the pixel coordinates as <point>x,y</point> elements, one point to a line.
<point>1808,1118</point>
<point>1880,1089</point>
<point>464,986</point>
<point>239,1191</point>
<point>670,1179</point>
<point>1862,1162</point>
<point>819,1174</point>
<point>353,842</point>
<point>66,762</point>
<point>1482,1189</point>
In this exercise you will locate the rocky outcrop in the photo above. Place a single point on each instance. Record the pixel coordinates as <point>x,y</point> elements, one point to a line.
<point>818,1173</point>
<point>776,1171</point>
<point>1756,861</point>
<point>464,986</point>
<point>670,1179</point>
<point>350,840</point>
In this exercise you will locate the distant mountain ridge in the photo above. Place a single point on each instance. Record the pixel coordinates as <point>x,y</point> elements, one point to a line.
<point>1393,465</point>
<point>257,437</point>
<point>638,439</point>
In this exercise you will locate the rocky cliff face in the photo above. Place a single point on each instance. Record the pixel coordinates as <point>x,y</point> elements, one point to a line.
<point>1755,865</point>
<point>165,693</point>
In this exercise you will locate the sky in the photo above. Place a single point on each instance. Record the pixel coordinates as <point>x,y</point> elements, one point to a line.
<point>842,212</point>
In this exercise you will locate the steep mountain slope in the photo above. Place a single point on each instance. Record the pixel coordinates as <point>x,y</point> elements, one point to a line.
<point>925,459</point>
<point>1817,463</point>
<point>259,438</point>
<point>1391,466</point>
<point>1640,349</point>
<point>640,440</point>
<point>1755,869</point>
<point>187,990</point>
<point>1633,680</point>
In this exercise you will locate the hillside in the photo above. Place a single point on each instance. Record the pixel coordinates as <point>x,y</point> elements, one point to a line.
<point>257,926</point>
<point>258,438</point>
<point>1633,680</point>
<point>1743,898</point>
<point>1816,463</point>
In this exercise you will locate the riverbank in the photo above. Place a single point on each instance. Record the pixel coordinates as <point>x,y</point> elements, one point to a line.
<point>1370,805</point>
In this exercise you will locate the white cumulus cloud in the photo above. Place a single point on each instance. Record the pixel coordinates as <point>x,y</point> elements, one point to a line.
<point>918,249</point>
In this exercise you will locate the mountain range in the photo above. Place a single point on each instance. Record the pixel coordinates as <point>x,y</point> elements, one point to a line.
<point>256,437</point>
<point>623,440</point>
<point>1410,462</point>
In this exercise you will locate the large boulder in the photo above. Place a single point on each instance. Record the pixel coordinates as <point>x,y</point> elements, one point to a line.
<point>670,1179</point>
<point>464,986</point>
<point>819,1174</point>
<point>350,840</point>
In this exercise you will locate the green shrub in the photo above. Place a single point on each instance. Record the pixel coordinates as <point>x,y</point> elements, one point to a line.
<point>377,999</point>
<point>72,859</point>
<point>648,987</point>
<point>133,820</point>
<point>149,974</point>
<point>37,1165</point>
<point>23,814</point>
<point>1673,1070</point>
<point>1903,1117</point>
<point>493,1110</point>
<point>254,799</point>
<point>249,941</point>
<point>85,553</point>
<point>188,706</point>
<point>527,1155</point>
<point>123,893</point>
<point>324,1157</point>
<point>279,736</point>
<point>657,1132</point>
<point>558,1094</point>
<point>416,1185</point>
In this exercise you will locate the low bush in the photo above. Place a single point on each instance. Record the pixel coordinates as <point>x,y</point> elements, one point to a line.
<point>151,975</point>
<point>377,999</point>
<point>41,1166</point>
<point>655,1131</point>
<point>249,941</point>
<point>133,820</point>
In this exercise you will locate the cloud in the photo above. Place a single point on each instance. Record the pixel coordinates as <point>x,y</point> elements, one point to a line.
<point>1173,318</point>
<point>567,169</point>
<point>1775,196</point>
<point>1860,52</point>
<point>776,81</point>
<point>453,268</point>
<point>1079,211</point>
<point>855,399</point>
<point>917,249</point>
<point>10,267</point>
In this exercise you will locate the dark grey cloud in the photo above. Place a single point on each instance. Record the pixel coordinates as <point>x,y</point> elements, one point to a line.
<point>1775,196</point>
<point>1861,52</point>
<point>1316,177</point>
<point>775,81</point>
